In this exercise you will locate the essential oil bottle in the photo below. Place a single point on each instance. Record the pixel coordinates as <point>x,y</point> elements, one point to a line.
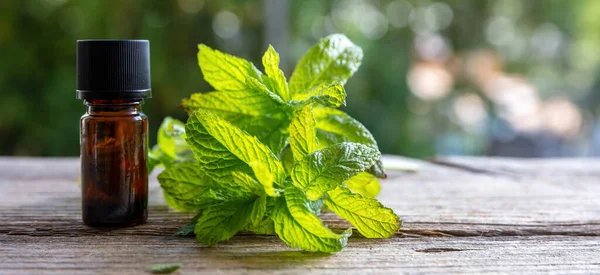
<point>113,79</point>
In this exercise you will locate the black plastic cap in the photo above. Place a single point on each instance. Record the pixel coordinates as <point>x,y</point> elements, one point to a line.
<point>113,69</point>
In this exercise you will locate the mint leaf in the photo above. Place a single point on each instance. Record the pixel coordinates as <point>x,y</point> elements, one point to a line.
<point>260,88</point>
<point>188,229</point>
<point>171,147</point>
<point>270,61</point>
<point>157,157</point>
<point>264,227</point>
<point>298,227</point>
<point>370,218</point>
<point>259,209</point>
<point>248,183</point>
<point>365,184</point>
<point>287,158</point>
<point>219,145</point>
<point>334,58</point>
<point>303,131</point>
<point>335,126</point>
<point>221,221</point>
<point>244,102</point>
<point>164,268</point>
<point>332,95</point>
<point>326,169</point>
<point>237,133</point>
<point>223,71</point>
<point>189,188</point>
<point>171,137</point>
<point>255,110</point>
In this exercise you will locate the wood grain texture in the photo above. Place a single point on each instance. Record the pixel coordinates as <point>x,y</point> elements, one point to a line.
<point>461,215</point>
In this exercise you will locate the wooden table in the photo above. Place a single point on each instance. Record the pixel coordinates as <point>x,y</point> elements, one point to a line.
<point>461,215</point>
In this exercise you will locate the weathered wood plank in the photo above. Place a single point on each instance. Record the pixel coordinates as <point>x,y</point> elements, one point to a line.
<point>516,215</point>
<point>266,254</point>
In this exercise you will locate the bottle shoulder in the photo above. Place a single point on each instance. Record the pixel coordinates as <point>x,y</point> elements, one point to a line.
<point>99,116</point>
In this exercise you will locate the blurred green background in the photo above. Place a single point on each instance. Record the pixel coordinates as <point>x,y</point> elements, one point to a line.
<point>475,77</point>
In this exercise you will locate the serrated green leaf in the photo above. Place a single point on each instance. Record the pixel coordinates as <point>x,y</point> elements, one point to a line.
<point>335,126</point>
<point>222,221</point>
<point>270,61</point>
<point>255,110</point>
<point>334,58</point>
<point>189,188</point>
<point>303,130</point>
<point>327,168</point>
<point>365,184</point>
<point>219,145</point>
<point>265,227</point>
<point>248,183</point>
<point>164,268</point>
<point>223,71</point>
<point>259,209</point>
<point>245,102</point>
<point>287,159</point>
<point>332,95</point>
<point>260,88</point>
<point>342,127</point>
<point>298,227</point>
<point>378,170</point>
<point>369,216</point>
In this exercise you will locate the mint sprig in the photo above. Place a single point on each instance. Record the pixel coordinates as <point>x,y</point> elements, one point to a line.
<point>267,156</point>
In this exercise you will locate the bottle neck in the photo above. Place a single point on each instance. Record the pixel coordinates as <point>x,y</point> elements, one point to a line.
<point>128,107</point>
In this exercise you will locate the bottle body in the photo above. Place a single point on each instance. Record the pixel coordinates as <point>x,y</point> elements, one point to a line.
<point>114,176</point>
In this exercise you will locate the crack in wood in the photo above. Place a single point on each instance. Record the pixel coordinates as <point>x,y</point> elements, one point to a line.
<point>440,249</point>
<point>165,230</point>
<point>472,169</point>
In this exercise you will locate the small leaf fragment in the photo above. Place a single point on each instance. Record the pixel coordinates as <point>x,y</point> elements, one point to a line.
<point>188,229</point>
<point>164,268</point>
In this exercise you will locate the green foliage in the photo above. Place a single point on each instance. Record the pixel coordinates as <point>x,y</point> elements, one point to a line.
<point>164,268</point>
<point>370,218</point>
<point>221,221</point>
<point>245,178</point>
<point>299,227</point>
<point>214,140</point>
<point>172,147</point>
<point>326,169</point>
<point>334,58</point>
<point>365,184</point>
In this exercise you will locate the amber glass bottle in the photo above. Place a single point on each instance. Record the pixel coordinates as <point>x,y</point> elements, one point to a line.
<point>113,79</point>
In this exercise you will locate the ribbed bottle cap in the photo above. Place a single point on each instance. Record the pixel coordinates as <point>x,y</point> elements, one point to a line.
<point>113,69</point>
